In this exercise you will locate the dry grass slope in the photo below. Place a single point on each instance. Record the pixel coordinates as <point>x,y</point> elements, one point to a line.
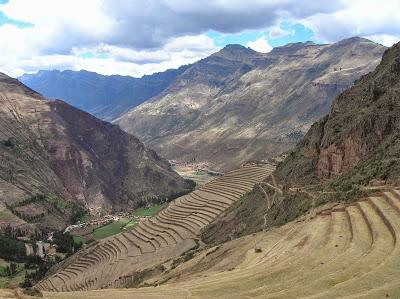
<point>113,261</point>
<point>347,251</point>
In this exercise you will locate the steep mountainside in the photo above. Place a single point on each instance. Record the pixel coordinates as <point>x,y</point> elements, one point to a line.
<point>362,129</point>
<point>106,97</point>
<point>356,143</point>
<point>68,157</point>
<point>238,104</point>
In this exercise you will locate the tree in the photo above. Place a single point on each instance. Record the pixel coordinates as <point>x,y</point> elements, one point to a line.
<point>13,268</point>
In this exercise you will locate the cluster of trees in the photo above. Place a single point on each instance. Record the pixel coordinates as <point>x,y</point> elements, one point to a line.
<point>33,199</point>
<point>38,198</point>
<point>28,218</point>
<point>42,266</point>
<point>77,213</point>
<point>191,185</point>
<point>65,243</point>
<point>52,203</point>
<point>11,249</point>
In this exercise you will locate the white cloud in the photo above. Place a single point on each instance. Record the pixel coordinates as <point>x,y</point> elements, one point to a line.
<point>123,61</point>
<point>142,36</point>
<point>384,39</point>
<point>365,18</point>
<point>276,32</point>
<point>260,45</point>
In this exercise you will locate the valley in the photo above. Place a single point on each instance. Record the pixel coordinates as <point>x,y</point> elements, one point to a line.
<point>173,231</point>
<point>185,149</point>
<point>226,109</point>
<point>57,160</point>
<point>321,221</point>
<point>268,101</point>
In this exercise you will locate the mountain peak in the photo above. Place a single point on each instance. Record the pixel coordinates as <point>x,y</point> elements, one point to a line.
<point>233,47</point>
<point>353,40</point>
<point>235,50</point>
<point>292,47</point>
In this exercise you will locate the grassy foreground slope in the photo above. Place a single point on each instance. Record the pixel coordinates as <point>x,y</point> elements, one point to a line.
<point>345,251</point>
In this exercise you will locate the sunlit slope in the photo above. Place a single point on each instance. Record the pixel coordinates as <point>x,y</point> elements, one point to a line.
<point>348,251</point>
<point>174,230</point>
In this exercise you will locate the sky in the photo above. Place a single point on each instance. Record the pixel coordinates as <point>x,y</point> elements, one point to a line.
<point>138,37</point>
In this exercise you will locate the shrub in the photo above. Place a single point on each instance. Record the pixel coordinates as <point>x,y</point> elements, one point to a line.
<point>10,142</point>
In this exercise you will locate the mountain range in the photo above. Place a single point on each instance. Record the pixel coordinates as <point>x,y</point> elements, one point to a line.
<point>238,105</point>
<point>233,106</point>
<point>106,97</point>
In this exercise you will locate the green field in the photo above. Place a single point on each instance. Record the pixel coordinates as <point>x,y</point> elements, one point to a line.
<point>112,228</point>
<point>79,239</point>
<point>11,281</point>
<point>131,224</point>
<point>117,227</point>
<point>148,211</point>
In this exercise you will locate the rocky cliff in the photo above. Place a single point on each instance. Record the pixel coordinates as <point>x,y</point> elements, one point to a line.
<point>359,138</point>
<point>54,156</point>
<point>238,104</point>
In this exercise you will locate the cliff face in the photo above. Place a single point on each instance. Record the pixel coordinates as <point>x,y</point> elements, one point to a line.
<point>361,130</point>
<point>53,149</point>
<point>238,105</point>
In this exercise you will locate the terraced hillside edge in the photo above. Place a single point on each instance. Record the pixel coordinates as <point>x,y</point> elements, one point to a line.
<point>118,261</point>
<point>69,156</point>
<point>237,105</point>
<point>345,251</point>
<point>105,97</point>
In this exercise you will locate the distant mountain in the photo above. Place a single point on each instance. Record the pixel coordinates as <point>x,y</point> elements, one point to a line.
<point>106,97</point>
<point>237,104</point>
<point>55,157</point>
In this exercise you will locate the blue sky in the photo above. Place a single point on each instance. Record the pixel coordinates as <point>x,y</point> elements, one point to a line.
<point>4,19</point>
<point>296,33</point>
<point>139,37</point>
